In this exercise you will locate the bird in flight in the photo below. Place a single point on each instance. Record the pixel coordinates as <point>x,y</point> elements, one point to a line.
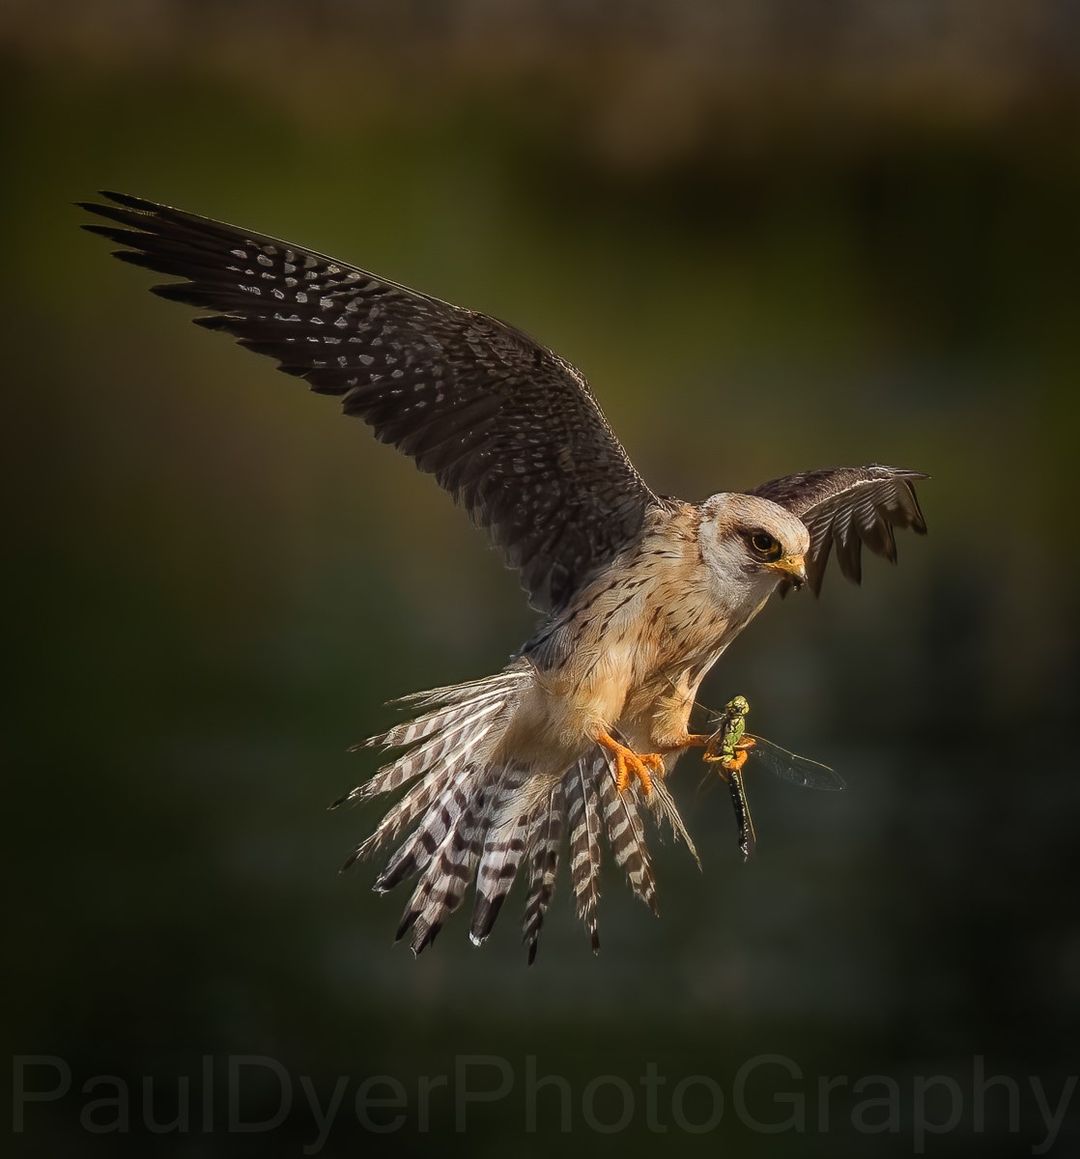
<point>640,594</point>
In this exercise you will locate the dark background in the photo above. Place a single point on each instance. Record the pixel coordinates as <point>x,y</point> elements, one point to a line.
<point>774,236</point>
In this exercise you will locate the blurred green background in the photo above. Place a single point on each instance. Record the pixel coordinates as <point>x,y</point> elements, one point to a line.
<point>774,236</point>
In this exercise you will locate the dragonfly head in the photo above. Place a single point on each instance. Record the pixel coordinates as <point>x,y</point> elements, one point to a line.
<point>737,706</point>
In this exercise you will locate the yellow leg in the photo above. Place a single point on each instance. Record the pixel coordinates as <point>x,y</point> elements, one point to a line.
<point>629,763</point>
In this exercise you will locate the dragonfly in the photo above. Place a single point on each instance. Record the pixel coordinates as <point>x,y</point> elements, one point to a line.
<point>731,746</point>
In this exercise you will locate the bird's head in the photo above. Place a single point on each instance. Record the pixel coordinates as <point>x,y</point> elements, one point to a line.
<point>751,544</point>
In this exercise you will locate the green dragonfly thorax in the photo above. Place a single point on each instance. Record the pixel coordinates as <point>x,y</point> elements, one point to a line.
<point>731,730</point>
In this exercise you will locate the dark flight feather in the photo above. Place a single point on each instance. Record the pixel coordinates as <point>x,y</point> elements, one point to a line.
<point>509,428</point>
<point>845,507</point>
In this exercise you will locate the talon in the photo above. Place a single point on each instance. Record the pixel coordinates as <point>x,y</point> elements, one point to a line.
<point>631,764</point>
<point>742,751</point>
<point>711,757</point>
<point>729,764</point>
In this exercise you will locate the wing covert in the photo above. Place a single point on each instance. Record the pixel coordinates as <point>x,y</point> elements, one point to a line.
<point>509,428</point>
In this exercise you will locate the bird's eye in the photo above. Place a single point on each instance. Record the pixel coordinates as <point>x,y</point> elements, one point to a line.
<point>765,546</point>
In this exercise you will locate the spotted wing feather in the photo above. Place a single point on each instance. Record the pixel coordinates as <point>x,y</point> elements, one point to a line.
<point>509,428</point>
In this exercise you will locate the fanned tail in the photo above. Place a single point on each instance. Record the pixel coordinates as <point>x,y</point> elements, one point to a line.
<point>473,813</point>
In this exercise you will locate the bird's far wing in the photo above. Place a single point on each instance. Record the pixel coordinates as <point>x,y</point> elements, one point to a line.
<point>511,430</point>
<point>848,506</point>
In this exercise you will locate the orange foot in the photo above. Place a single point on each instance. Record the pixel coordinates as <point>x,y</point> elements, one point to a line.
<point>629,763</point>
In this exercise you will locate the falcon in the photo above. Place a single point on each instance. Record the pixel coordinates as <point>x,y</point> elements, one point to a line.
<point>640,594</point>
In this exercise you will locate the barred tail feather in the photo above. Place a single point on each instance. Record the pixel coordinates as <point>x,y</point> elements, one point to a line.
<point>544,841</point>
<point>626,836</point>
<point>504,847</point>
<point>438,823</point>
<point>584,824</point>
<point>456,693</point>
<point>439,721</point>
<point>439,758</point>
<point>401,816</point>
<point>442,885</point>
<point>459,732</point>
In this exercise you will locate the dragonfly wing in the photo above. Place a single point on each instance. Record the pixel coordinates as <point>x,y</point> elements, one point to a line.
<point>796,770</point>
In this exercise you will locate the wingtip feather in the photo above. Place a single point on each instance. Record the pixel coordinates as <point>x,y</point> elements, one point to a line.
<point>129,201</point>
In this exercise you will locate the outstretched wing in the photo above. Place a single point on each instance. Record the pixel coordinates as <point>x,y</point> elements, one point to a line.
<point>509,428</point>
<point>848,506</point>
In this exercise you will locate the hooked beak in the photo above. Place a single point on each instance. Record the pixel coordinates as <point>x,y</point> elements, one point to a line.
<point>792,568</point>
